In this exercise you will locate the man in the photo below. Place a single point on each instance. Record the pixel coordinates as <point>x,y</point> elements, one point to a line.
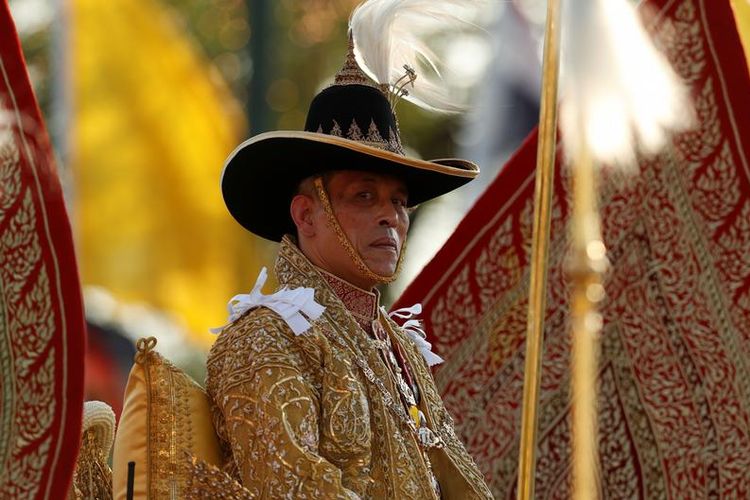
<point>316,392</point>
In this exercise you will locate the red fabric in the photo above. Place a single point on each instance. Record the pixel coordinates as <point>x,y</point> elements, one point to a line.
<point>674,379</point>
<point>42,326</point>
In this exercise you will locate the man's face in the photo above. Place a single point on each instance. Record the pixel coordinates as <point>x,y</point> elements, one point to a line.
<point>371,209</point>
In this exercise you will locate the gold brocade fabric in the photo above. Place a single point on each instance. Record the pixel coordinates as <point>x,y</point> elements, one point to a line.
<point>297,416</point>
<point>165,415</point>
<point>673,377</point>
<point>361,304</point>
<point>92,478</point>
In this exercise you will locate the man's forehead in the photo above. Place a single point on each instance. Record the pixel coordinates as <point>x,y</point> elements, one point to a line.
<point>346,177</point>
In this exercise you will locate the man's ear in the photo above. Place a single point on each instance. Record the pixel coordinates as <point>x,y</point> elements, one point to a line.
<point>301,209</point>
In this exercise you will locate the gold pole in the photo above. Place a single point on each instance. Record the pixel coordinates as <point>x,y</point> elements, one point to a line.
<point>587,266</point>
<point>545,171</point>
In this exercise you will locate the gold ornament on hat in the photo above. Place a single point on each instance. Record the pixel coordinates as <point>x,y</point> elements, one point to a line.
<point>398,89</point>
<point>351,73</point>
<point>390,37</point>
<point>382,54</point>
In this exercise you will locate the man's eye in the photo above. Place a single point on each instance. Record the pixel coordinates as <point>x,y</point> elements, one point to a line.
<point>399,202</point>
<point>365,195</point>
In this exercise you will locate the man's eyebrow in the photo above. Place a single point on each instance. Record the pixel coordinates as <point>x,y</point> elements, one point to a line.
<point>402,189</point>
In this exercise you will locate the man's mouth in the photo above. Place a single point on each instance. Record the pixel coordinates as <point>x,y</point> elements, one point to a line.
<point>385,243</point>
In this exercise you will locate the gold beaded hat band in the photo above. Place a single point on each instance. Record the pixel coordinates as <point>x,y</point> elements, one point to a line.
<point>350,125</point>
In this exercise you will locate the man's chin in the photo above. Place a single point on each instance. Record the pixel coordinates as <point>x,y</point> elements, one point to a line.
<point>382,269</point>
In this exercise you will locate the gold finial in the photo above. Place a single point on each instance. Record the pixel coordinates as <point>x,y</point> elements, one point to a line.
<point>144,346</point>
<point>351,73</point>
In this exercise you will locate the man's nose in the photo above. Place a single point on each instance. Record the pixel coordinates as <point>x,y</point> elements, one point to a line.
<point>388,215</point>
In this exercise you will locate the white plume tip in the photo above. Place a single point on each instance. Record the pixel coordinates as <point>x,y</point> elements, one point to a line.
<point>620,94</point>
<point>391,34</point>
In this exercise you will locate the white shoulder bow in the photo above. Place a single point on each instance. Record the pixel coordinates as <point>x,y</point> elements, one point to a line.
<point>296,306</point>
<point>414,328</point>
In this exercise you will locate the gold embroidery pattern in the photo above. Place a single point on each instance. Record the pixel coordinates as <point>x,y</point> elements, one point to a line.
<point>373,134</point>
<point>675,384</point>
<point>354,133</point>
<point>170,429</point>
<point>336,130</point>
<point>372,138</point>
<point>266,402</point>
<point>208,482</point>
<point>497,265</point>
<point>290,408</point>
<point>361,304</point>
<point>293,268</point>
<point>28,318</point>
<point>93,477</point>
<point>440,420</point>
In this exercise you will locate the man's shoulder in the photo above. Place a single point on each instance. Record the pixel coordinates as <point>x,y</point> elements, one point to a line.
<point>258,318</point>
<point>255,325</point>
<point>257,337</point>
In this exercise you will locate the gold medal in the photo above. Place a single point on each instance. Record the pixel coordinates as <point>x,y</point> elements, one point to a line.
<point>414,413</point>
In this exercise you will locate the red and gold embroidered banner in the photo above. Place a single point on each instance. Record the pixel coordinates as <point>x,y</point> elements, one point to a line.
<point>674,378</point>
<point>41,314</point>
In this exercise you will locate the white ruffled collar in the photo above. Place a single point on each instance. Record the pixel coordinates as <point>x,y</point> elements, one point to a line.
<point>296,306</point>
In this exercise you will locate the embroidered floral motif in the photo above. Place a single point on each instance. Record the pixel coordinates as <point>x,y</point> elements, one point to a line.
<point>354,133</point>
<point>29,321</point>
<point>169,392</point>
<point>289,408</point>
<point>336,130</point>
<point>394,141</point>
<point>363,305</point>
<point>208,482</point>
<point>373,137</point>
<point>373,134</point>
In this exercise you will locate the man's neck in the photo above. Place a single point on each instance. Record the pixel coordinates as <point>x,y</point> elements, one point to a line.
<point>353,278</point>
<point>362,304</point>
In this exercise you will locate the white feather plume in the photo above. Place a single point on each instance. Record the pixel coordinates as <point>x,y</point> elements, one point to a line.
<point>620,94</point>
<point>389,34</point>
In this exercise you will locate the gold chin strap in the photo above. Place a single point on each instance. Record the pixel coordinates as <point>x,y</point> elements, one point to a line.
<point>344,241</point>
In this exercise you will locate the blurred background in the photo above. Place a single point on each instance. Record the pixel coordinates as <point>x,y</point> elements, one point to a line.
<point>144,99</point>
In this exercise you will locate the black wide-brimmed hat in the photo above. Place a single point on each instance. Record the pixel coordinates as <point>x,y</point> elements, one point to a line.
<point>350,126</point>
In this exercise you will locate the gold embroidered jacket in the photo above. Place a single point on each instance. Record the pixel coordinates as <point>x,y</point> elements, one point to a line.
<point>299,419</point>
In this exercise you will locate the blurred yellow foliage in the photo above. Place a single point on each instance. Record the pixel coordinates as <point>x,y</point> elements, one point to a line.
<point>152,123</point>
<point>741,10</point>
